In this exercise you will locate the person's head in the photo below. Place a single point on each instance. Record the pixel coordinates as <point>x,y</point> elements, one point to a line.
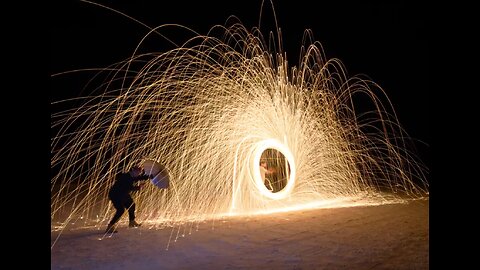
<point>136,171</point>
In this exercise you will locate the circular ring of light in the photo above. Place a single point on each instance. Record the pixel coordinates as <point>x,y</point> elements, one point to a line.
<point>277,145</point>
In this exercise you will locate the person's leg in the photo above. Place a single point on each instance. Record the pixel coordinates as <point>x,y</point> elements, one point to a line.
<point>268,184</point>
<point>131,212</point>
<point>118,204</point>
<point>130,205</point>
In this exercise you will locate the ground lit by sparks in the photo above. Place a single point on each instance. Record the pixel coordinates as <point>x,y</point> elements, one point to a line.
<point>208,110</point>
<point>320,204</point>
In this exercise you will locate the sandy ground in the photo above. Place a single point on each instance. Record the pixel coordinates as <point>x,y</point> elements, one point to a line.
<point>393,236</point>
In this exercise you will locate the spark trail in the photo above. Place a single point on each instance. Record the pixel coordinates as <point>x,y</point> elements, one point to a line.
<point>210,110</point>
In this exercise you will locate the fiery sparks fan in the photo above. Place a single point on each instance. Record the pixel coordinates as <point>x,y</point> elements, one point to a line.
<point>211,110</point>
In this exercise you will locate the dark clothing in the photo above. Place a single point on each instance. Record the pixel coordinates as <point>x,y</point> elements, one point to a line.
<point>119,194</point>
<point>124,185</point>
<point>120,205</point>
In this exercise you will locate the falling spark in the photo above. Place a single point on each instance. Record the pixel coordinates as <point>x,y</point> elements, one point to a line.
<point>209,110</point>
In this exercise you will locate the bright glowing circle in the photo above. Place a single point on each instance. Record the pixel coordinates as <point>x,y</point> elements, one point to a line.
<point>277,145</point>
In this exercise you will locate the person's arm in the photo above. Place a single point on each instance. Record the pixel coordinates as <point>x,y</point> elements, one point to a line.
<point>142,177</point>
<point>270,171</point>
<point>136,188</point>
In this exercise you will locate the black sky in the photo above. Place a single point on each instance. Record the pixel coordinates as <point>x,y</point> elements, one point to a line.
<point>386,41</point>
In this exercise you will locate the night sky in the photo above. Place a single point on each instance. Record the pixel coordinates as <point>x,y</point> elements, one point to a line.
<point>386,41</point>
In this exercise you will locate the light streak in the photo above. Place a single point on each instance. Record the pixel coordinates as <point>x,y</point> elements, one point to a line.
<point>208,110</point>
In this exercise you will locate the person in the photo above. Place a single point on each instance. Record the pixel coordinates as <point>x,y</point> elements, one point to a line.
<point>263,172</point>
<point>120,196</point>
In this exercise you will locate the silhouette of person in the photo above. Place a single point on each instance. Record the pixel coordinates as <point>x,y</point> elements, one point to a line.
<point>120,196</point>
<point>263,172</point>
